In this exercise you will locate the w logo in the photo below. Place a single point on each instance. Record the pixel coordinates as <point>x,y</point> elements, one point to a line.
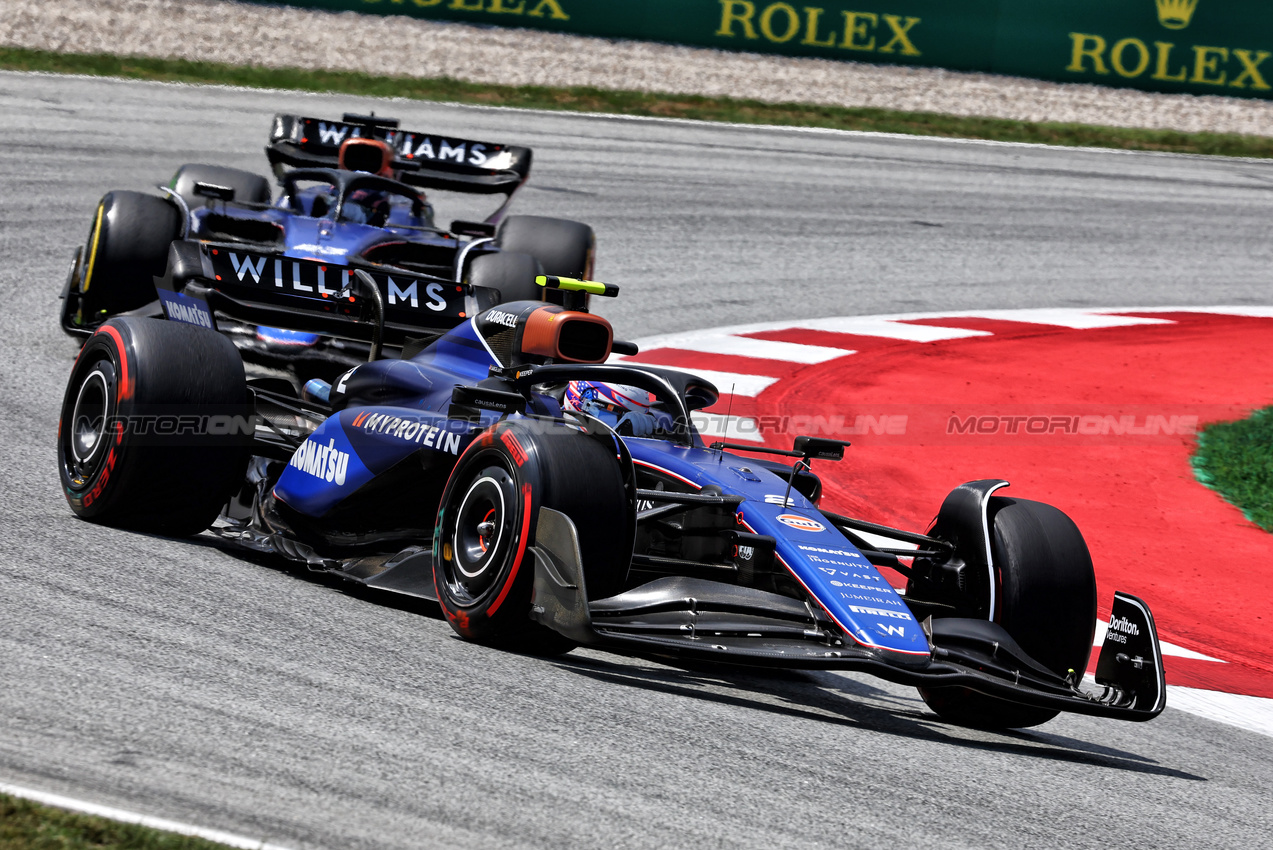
<point>244,266</point>
<point>332,134</point>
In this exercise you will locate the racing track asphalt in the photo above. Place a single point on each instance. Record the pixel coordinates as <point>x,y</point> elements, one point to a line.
<point>170,678</point>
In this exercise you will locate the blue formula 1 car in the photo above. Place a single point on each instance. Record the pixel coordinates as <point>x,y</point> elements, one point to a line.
<point>350,198</point>
<point>547,500</point>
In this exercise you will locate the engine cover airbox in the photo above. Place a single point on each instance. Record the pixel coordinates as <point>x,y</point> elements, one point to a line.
<point>534,332</point>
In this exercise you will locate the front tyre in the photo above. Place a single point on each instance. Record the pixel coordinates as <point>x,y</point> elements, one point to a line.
<point>1046,599</point>
<point>483,570</point>
<point>154,429</point>
<point>127,249</point>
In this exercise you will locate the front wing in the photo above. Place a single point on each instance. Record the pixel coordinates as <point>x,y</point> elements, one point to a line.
<point>725,623</point>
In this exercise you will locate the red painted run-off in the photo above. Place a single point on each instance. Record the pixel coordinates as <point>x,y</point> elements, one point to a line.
<point>1153,530</point>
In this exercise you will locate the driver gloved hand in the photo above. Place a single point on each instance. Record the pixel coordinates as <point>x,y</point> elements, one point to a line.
<point>635,424</point>
<point>638,424</point>
<point>597,411</point>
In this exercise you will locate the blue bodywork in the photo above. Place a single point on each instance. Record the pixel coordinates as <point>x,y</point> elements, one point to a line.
<point>308,230</point>
<point>352,198</point>
<point>850,589</point>
<point>408,417</point>
<point>300,257</point>
<point>329,221</point>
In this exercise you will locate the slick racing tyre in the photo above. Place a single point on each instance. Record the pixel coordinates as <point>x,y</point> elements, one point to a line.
<point>1046,599</point>
<point>564,248</point>
<point>154,431</point>
<point>511,274</point>
<point>482,571</point>
<point>248,187</point>
<point>127,249</point>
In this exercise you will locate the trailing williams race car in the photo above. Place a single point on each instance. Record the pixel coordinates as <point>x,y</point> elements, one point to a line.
<point>350,199</point>
<point>547,500</point>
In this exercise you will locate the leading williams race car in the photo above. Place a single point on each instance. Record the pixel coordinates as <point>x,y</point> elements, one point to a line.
<point>499,472</point>
<point>350,198</point>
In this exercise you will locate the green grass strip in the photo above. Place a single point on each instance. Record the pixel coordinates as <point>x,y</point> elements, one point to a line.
<point>1236,460</point>
<point>639,103</point>
<point>29,826</point>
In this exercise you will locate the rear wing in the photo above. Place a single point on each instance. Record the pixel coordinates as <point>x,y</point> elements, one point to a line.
<point>422,159</point>
<point>268,288</point>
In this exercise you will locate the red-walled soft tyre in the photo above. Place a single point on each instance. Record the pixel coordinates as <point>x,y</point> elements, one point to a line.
<point>155,427</point>
<point>483,572</point>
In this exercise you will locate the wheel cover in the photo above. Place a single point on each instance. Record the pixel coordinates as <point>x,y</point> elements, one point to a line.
<point>85,436</point>
<point>479,535</point>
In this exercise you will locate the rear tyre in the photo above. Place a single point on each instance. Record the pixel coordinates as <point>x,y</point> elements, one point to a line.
<point>564,248</point>
<point>510,274</point>
<point>127,249</point>
<point>1046,599</point>
<point>249,187</point>
<point>482,571</point>
<point>154,431</point>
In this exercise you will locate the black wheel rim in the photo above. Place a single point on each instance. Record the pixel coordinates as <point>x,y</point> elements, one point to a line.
<point>86,433</point>
<point>480,534</point>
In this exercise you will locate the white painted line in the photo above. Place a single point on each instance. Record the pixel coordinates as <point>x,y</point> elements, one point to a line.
<point>1253,312</point>
<point>888,329</point>
<point>1067,318</point>
<point>693,122</point>
<point>698,122</point>
<point>1167,648</point>
<point>737,346</point>
<point>748,386</point>
<point>727,427</point>
<point>1077,319</point>
<point>1254,714</point>
<point>70,804</point>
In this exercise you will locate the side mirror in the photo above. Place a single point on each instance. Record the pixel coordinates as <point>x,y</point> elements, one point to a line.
<point>477,229</point>
<point>213,191</point>
<point>620,346</point>
<point>820,448</point>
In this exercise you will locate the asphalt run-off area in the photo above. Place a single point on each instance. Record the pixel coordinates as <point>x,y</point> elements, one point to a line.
<point>174,680</point>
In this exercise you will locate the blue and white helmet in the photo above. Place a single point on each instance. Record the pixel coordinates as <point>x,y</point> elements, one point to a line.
<point>631,411</point>
<point>608,402</point>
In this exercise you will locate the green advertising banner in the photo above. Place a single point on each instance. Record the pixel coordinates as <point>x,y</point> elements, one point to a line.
<point>1195,46</point>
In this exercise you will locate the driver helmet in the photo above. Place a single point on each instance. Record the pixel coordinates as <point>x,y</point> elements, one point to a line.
<point>607,402</point>
<point>367,206</point>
